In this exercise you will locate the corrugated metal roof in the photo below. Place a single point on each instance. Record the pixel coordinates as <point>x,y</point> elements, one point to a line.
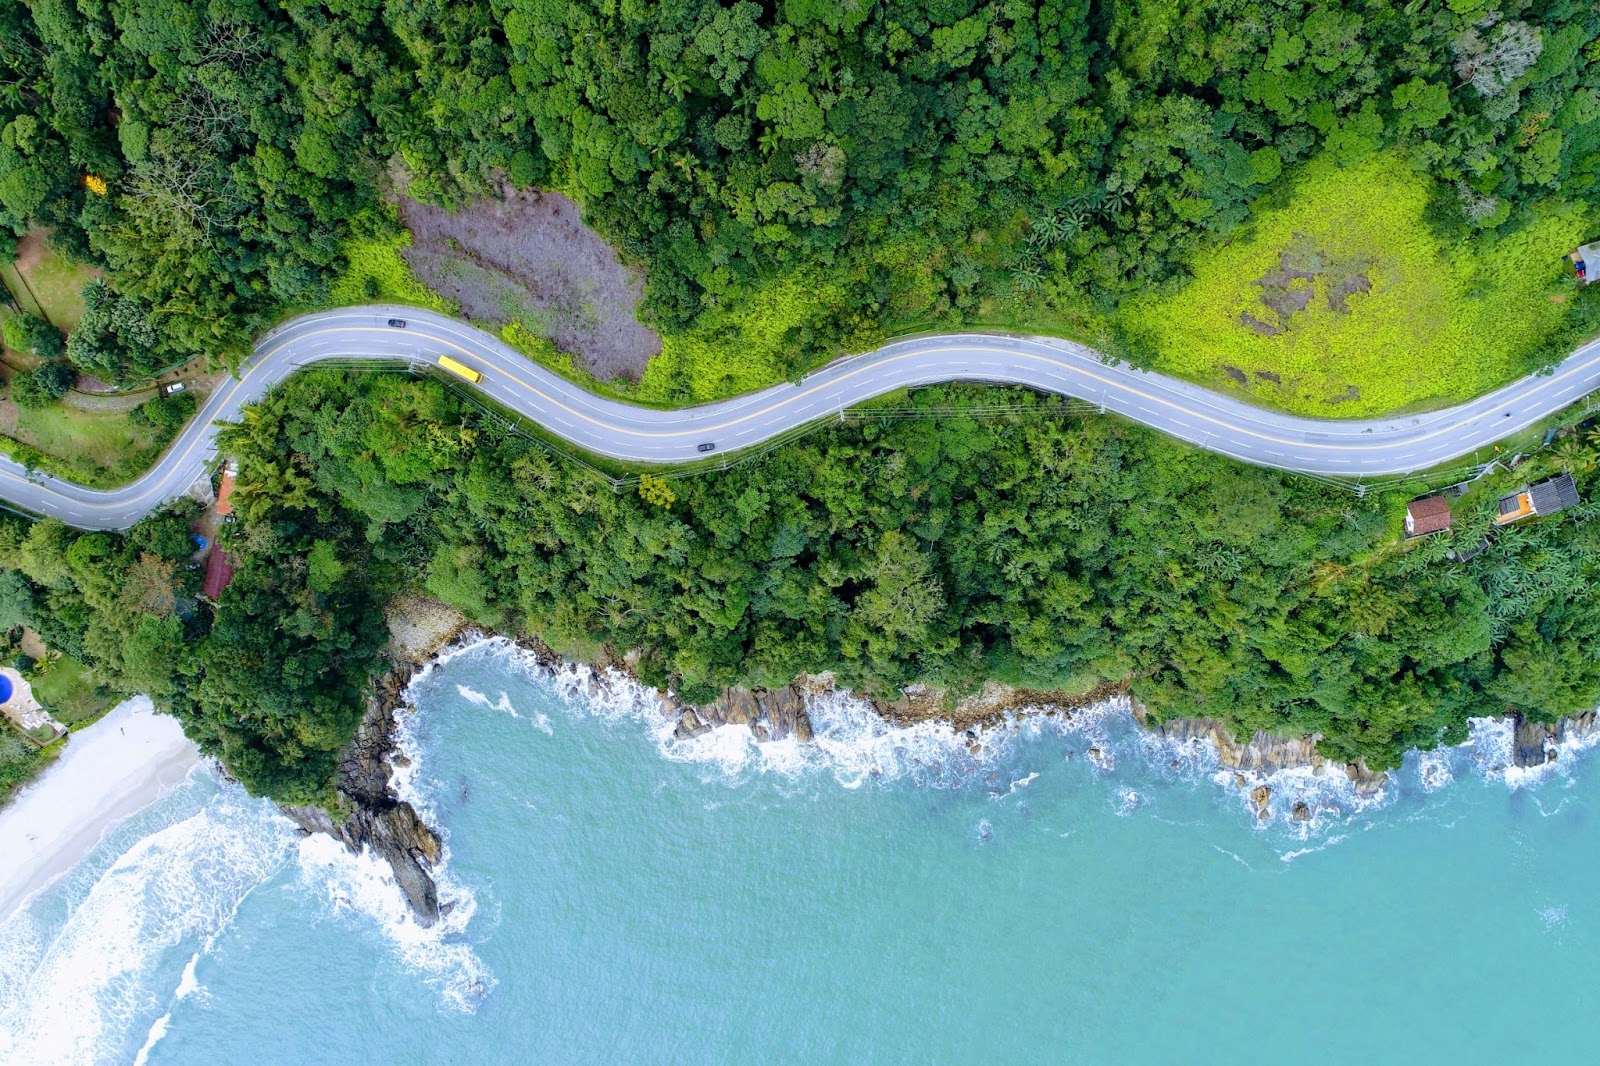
<point>1554,494</point>
<point>224,505</point>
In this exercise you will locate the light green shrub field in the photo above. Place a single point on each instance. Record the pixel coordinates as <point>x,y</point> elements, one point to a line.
<point>1346,296</point>
<point>749,347</point>
<point>377,272</point>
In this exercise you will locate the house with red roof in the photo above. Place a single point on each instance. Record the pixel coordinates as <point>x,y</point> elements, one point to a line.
<point>219,568</point>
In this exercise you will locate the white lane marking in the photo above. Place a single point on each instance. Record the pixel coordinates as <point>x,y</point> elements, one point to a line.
<point>841,384</point>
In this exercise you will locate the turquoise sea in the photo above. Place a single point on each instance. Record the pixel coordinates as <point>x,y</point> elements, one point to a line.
<point>885,896</point>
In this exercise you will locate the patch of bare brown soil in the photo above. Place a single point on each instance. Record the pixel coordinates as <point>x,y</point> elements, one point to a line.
<point>1290,288</point>
<point>30,250</point>
<point>1348,287</point>
<point>1266,329</point>
<point>527,256</point>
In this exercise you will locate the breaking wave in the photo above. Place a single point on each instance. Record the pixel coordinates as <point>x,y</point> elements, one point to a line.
<point>1313,807</point>
<point>164,898</point>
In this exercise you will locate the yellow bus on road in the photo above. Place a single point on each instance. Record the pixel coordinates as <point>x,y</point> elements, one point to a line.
<point>460,370</point>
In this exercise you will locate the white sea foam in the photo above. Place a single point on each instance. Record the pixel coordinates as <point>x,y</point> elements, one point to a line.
<point>1022,782</point>
<point>1435,769</point>
<point>851,741</point>
<point>1325,843</point>
<point>856,747</point>
<point>363,886</point>
<point>170,891</point>
<point>503,704</point>
<point>157,1030</point>
<point>442,954</point>
<point>188,984</point>
<point>1550,917</point>
<point>1491,746</point>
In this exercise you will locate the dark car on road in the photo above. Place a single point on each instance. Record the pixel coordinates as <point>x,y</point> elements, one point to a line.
<point>398,323</point>
<point>708,446</point>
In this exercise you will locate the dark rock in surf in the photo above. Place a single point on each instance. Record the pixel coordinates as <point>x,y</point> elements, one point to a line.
<point>1537,743</point>
<point>769,714</point>
<point>1264,753</point>
<point>366,813</point>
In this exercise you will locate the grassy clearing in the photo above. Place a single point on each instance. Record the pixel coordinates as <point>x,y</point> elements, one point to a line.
<point>542,350</point>
<point>750,347</point>
<point>65,689</point>
<point>52,286</point>
<point>1348,298</point>
<point>100,448</point>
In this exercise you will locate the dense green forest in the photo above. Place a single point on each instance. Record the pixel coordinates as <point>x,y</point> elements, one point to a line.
<point>882,164</point>
<point>931,161</point>
<point>1040,549</point>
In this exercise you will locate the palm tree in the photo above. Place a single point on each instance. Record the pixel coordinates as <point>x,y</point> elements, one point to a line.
<point>676,82</point>
<point>1575,456</point>
<point>1049,229</point>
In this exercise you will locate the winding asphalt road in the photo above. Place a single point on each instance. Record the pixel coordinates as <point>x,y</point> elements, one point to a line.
<point>1396,445</point>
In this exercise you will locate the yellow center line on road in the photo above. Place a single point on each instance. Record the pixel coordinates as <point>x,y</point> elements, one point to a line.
<point>874,364</point>
<point>166,460</point>
<point>263,361</point>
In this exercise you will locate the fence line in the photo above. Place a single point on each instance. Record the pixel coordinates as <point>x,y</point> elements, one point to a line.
<point>13,296</point>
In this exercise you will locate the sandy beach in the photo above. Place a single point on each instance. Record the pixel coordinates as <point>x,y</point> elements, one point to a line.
<point>119,765</point>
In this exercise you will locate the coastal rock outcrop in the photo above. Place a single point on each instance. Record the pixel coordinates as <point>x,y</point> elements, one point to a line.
<point>1536,743</point>
<point>364,811</point>
<point>770,714</point>
<point>367,813</point>
<point>1264,753</point>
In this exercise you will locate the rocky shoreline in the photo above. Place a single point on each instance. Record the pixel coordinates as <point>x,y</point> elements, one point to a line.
<point>1263,755</point>
<point>1537,743</point>
<point>365,811</point>
<point>368,813</point>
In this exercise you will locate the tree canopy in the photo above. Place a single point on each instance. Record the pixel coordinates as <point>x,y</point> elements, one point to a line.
<point>934,156</point>
<point>860,167</point>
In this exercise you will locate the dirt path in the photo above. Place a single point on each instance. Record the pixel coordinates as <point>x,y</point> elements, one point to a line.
<point>108,402</point>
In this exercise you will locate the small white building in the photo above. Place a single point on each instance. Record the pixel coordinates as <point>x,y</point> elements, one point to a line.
<point>1586,260</point>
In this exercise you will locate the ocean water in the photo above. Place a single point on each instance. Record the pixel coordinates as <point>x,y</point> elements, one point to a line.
<point>886,896</point>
